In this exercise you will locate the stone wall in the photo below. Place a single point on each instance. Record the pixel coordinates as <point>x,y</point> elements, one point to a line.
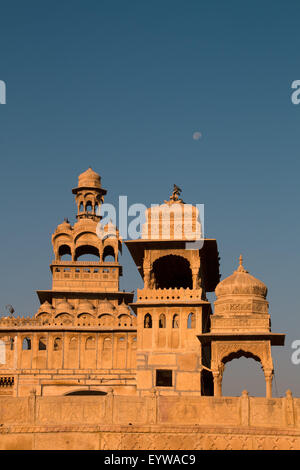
<point>152,422</point>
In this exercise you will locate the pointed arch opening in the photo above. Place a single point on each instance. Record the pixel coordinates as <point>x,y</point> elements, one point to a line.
<point>243,371</point>
<point>172,272</point>
<point>26,344</point>
<point>191,321</point>
<point>175,321</point>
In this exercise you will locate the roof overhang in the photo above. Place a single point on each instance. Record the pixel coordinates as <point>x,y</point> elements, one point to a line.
<point>209,256</point>
<point>48,295</point>
<point>277,339</point>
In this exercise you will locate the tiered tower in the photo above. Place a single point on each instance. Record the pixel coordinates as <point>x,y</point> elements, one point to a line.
<point>172,308</point>
<point>84,333</point>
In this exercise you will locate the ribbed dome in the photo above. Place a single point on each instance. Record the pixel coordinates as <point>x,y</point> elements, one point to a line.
<point>241,282</point>
<point>45,307</point>
<point>89,178</point>
<point>106,307</point>
<point>123,309</point>
<point>64,306</point>
<point>85,306</point>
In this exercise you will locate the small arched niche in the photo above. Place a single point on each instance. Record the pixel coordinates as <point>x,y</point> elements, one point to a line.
<point>191,321</point>
<point>57,344</point>
<point>162,321</point>
<point>175,321</point>
<point>73,344</point>
<point>90,343</point>
<point>42,344</point>
<point>147,321</point>
<point>26,344</point>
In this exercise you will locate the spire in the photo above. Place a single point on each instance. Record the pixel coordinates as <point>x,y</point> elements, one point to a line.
<point>241,268</point>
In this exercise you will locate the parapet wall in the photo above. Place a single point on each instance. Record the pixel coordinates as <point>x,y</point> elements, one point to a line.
<point>153,422</point>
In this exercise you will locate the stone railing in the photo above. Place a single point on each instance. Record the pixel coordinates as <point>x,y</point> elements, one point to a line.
<point>19,321</point>
<point>172,295</point>
<point>154,409</point>
<point>127,322</point>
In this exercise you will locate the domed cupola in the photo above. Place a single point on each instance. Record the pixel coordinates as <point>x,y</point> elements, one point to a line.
<point>241,283</point>
<point>45,311</point>
<point>64,226</point>
<point>89,179</point>
<point>241,303</point>
<point>46,307</point>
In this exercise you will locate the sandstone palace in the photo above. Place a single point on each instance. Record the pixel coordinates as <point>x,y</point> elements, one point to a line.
<point>95,368</point>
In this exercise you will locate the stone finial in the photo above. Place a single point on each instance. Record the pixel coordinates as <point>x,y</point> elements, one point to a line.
<point>245,393</point>
<point>241,268</point>
<point>175,195</point>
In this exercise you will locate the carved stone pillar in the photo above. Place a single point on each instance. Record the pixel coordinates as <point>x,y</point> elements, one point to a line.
<point>217,383</point>
<point>195,278</point>
<point>268,378</point>
<point>146,278</point>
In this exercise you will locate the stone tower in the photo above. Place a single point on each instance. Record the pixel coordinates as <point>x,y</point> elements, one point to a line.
<point>84,333</point>
<point>172,308</point>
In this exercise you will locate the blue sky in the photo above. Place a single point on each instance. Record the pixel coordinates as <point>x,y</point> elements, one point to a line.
<point>122,87</point>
